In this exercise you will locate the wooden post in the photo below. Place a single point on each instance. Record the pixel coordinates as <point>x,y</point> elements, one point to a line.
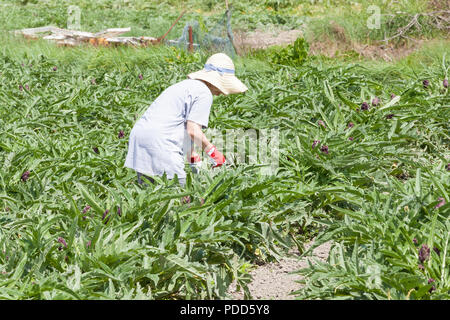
<point>191,43</point>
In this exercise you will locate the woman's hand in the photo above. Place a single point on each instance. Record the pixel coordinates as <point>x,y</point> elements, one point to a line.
<point>196,134</point>
<point>217,158</point>
<point>194,158</point>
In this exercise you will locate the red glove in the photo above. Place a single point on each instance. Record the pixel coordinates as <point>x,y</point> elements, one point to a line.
<point>217,158</point>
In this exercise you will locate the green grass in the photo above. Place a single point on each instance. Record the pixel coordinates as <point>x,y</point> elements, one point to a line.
<point>154,18</point>
<point>421,59</point>
<point>145,19</point>
<point>353,19</point>
<point>88,57</point>
<point>426,58</point>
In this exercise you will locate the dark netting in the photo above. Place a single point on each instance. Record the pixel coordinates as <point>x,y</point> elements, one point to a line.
<point>218,39</point>
<point>183,41</point>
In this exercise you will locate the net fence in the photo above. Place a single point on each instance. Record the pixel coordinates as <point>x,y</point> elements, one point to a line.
<point>219,38</point>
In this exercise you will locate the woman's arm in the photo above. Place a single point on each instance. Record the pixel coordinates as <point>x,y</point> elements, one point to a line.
<point>196,134</point>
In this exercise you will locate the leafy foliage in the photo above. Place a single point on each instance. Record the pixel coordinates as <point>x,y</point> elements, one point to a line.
<point>75,225</point>
<point>291,55</point>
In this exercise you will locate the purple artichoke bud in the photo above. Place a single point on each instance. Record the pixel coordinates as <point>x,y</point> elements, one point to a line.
<point>350,125</point>
<point>421,267</point>
<point>119,211</point>
<point>390,116</point>
<point>25,176</point>
<point>424,253</point>
<point>55,68</point>
<point>88,244</point>
<point>27,87</point>
<point>415,241</point>
<point>438,252</point>
<point>350,138</point>
<point>324,149</point>
<point>315,143</point>
<point>440,204</point>
<point>186,199</point>
<point>321,123</point>
<point>121,134</point>
<point>445,83</point>
<point>22,65</point>
<point>448,166</point>
<point>62,241</point>
<point>433,288</point>
<point>86,209</point>
<point>20,87</point>
<point>365,106</point>
<point>392,96</point>
<point>105,214</point>
<point>375,101</point>
<point>141,76</point>
<point>95,150</point>
<point>426,83</point>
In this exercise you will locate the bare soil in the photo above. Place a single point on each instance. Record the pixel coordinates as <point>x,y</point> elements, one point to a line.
<point>274,281</point>
<point>248,41</point>
<point>262,39</point>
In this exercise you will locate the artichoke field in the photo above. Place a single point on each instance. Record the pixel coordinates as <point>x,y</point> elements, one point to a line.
<point>364,163</point>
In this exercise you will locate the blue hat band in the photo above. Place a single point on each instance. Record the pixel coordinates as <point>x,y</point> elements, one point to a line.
<point>211,67</point>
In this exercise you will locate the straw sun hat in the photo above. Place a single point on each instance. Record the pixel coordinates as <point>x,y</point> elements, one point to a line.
<point>219,71</point>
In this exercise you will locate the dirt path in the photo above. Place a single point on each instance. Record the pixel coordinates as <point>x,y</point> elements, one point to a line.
<point>258,39</point>
<point>272,281</point>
